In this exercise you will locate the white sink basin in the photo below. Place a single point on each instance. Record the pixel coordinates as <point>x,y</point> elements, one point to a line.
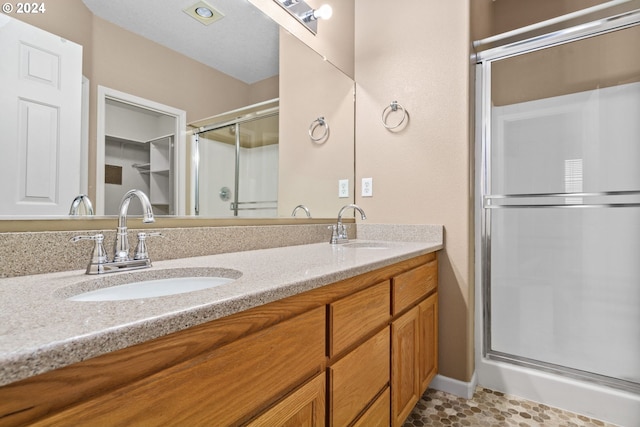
<point>152,288</point>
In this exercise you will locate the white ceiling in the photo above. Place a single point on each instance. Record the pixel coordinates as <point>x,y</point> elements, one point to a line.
<point>243,44</point>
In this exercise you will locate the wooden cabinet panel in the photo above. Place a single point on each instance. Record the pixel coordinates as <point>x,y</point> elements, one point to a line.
<point>354,317</point>
<point>378,414</point>
<point>405,382</point>
<point>272,357</point>
<point>428,340</point>
<point>225,387</point>
<point>356,379</point>
<point>305,407</point>
<point>411,286</point>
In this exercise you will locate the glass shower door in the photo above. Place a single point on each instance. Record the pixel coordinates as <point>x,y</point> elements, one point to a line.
<point>561,209</point>
<point>237,169</point>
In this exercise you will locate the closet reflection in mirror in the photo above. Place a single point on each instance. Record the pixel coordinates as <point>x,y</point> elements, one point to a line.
<point>139,153</point>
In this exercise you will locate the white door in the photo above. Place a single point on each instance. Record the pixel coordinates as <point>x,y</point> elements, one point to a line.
<point>40,120</point>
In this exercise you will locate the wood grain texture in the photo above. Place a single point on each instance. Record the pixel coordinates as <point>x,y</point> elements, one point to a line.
<point>117,388</point>
<point>43,395</point>
<point>378,414</point>
<point>354,317</point>
<point>356,379</point>
<point>305,407</point>
<point>428,359</point>
<point>223,388</point>
<point>405,382</point>
<point>413,285</point>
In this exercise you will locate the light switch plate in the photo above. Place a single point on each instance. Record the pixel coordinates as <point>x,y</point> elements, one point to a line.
<point>343,188</point>
<point>367,187</point>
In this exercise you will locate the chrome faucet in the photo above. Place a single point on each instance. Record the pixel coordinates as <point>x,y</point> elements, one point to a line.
<point>304,208</point>
<point>122,260</point>
<point>121,247</point>
<point>81,200</point>
<point>339,230</point>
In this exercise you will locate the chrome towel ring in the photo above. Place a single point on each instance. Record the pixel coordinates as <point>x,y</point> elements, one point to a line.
<point>319,122</point>
<point>394,106</point>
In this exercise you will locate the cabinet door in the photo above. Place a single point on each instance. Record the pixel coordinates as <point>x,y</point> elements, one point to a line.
<point>405,381</point>
<point>303,408</point>
<point>428,359</point>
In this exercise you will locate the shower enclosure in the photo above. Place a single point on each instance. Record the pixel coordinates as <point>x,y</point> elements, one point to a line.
<point>558,216</point>
<point>236,166</point>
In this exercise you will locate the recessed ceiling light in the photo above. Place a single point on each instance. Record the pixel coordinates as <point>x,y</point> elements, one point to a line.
<point>203,12</point>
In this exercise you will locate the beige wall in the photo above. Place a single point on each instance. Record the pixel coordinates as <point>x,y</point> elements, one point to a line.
<point>588,64</point>
<point>418,54</point>
<point>308,171</point>
<point>512,14</point>
<point>334,40</point>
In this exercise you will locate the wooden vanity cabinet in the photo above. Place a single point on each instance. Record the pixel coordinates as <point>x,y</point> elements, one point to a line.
<point>414,338</point>
<point>222,387</point>
<point>358,352</point>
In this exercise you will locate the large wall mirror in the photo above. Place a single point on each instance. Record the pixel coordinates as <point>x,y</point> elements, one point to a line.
<point>164,56</point>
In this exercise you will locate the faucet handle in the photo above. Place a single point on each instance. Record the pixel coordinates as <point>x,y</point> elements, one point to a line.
<point>99,255</point>
<point>334,234</point>
<point>141,249</point>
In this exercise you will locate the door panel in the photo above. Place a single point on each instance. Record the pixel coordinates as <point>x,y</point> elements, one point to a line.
<point>40,125</point>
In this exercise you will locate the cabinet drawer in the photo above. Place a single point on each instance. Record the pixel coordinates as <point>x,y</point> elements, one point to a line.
<point>410,286</point>
<point>304,407</point>
<point>378,414</point>
<point>354,317</point>
<point>356,379</point>
<point>225,387</point>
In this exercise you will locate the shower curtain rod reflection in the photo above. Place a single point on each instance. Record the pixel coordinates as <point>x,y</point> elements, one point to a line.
<point>243,119</point>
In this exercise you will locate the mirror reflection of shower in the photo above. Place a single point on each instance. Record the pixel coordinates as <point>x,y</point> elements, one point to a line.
<point>236,164</point>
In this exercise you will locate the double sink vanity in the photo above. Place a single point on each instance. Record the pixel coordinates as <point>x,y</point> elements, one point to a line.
<point>311,334</point>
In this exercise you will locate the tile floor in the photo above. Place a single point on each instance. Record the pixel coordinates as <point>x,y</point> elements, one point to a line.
<point>491,408</point>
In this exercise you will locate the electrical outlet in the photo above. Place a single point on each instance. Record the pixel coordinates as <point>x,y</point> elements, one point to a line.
<point>367,187</point>
<point>343,188</point>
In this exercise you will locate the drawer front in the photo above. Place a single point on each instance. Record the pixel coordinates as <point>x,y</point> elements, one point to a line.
<point>378,414</point>
<point>225,387</point>
<point>411,286</point>
<point>354,317</point>
<point>356,379</point>
<point>303,408</point>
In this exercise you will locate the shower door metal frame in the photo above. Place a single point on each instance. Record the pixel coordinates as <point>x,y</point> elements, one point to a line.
<point>270,112</point>
<point>484,198</point>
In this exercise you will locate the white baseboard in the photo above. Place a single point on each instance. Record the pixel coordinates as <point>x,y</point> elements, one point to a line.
<point>455,387</point>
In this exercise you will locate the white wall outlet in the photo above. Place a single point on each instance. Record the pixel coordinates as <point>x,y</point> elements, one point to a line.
<point>343,188</point>
<point>367,187</point>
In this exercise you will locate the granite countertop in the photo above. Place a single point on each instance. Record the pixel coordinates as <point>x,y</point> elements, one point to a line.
<point>40,330</point>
